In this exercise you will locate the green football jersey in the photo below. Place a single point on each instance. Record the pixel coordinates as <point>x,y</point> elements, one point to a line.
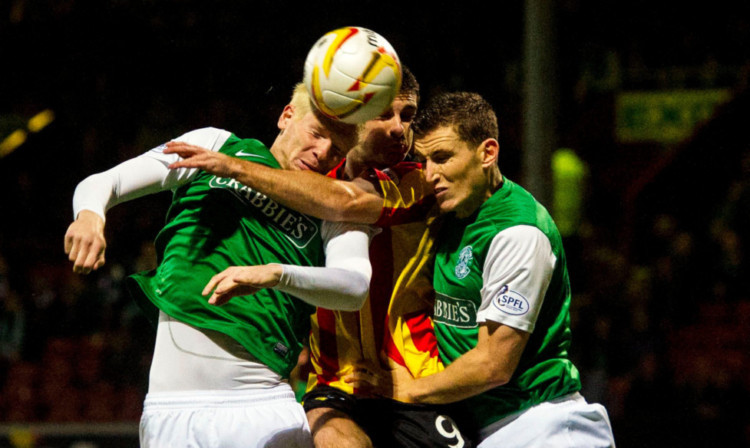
<point>214,223</point>
<point>544,371</point>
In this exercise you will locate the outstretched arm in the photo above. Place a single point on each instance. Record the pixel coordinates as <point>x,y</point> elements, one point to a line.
<point>342,284</point>
<point>84,241</point>
<point>307,192</point>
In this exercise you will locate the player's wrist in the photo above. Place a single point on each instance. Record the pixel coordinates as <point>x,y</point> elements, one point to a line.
<point>276,271</point>
<point>241,171</point>
<point>90,217</point>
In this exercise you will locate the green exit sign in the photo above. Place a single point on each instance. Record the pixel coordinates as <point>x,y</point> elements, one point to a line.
<point>664,116</point>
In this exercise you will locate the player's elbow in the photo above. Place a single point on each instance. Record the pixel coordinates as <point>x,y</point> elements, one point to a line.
<point>361,210</point>
<point>350,204</point>
<point>497,373</point>
<point>360,288</point>
<point>498,377</point>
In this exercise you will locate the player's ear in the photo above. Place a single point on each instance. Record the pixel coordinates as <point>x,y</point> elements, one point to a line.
<point>490,150</point>
<point>286,117</point>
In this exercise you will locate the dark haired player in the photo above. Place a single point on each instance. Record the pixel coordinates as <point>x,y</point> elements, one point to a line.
<point>502,295</point>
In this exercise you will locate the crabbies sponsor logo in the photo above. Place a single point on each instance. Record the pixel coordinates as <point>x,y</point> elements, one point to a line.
<point>461,313</point>
<point>511,302</point>
<point>298,228</point>
<point>463,267</point>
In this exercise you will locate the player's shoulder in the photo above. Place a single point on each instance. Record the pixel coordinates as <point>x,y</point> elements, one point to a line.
<point>208,137</point>
<point>524,234</point>
<point>249,149</point>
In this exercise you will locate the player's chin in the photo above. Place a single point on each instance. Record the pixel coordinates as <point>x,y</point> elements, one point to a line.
<point>301,165</point>
<point>445,205</point>
<point>394,157</point>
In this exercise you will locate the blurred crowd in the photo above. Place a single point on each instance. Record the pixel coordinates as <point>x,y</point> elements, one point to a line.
<point>73,349</point>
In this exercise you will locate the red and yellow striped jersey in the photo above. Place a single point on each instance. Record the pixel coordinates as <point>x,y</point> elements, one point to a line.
<point>395,324</point>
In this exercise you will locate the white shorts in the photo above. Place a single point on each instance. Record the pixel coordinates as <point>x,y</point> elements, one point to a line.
<point>218,419</point>
<point>565,422</point>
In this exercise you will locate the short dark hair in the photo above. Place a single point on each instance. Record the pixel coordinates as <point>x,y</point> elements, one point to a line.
<point>470,115</point>
<point>409,84</point>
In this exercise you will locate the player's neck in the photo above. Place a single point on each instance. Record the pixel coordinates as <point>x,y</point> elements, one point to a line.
<point>474,201</point>
<point>494,180</point>
<point>278,153</point>
<point>354,165</point>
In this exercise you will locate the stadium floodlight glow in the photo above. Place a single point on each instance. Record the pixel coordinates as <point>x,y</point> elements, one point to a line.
<point>11,142</point>
<point>41,120</point>
<point>18,137</point>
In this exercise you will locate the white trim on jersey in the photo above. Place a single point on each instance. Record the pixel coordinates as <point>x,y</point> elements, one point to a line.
<point>517,272</point>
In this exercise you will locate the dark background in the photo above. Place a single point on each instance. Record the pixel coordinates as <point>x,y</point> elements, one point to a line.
<point>658,263</point>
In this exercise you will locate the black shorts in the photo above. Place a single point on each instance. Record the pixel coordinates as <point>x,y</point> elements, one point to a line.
<point>390,423</point>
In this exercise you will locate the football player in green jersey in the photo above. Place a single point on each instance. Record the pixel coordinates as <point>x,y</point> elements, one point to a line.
<point>219,373</point>
<point>502,295</point>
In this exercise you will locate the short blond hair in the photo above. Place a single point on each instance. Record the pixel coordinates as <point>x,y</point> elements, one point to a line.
<point>302,104</point>
<point>301,101</point>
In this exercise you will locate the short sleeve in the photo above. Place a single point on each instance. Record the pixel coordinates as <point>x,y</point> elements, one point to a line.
<point>516,274</point>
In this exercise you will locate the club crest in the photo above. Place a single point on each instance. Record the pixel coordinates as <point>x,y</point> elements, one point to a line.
<point>463,267</point>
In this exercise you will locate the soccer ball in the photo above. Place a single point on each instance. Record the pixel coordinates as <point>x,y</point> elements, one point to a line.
<point>352,74</point>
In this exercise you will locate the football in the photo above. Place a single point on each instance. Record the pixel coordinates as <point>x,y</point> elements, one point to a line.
<point>352,74</point>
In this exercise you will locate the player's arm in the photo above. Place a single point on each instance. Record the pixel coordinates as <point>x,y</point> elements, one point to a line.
<point>305,191</point>
<point>519,263</point>
<point>488,365</point>
<point>84,241</point>
<point>343,284</point>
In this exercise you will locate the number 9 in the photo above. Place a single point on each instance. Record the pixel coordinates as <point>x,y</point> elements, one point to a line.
<point>453,434</point>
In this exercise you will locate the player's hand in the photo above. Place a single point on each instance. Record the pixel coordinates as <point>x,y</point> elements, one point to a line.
<point>375,381</point>
<point>196,157</point>
<point>241,281</point>
<point>85,243</point>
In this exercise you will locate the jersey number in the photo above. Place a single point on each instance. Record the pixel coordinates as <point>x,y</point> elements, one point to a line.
<point>454,433</point>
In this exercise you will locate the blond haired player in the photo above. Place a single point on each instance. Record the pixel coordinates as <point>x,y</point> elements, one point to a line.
<point>219,373</point>
<point>394,325</point>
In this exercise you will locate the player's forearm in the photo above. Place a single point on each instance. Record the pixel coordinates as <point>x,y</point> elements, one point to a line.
<point>311,193</point>
<point>331,288</point>
<point>95,194</point>
<point>344,282</point>
<point>491,363</point>
<point>470,375</point>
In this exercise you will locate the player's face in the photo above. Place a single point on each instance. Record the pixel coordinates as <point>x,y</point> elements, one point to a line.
<point>385,140</point>
<point>306,144</point>
<point>455,170</point>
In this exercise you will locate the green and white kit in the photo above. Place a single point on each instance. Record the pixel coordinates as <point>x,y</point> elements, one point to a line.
<point>505,263</point>
<point>214,223</point>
